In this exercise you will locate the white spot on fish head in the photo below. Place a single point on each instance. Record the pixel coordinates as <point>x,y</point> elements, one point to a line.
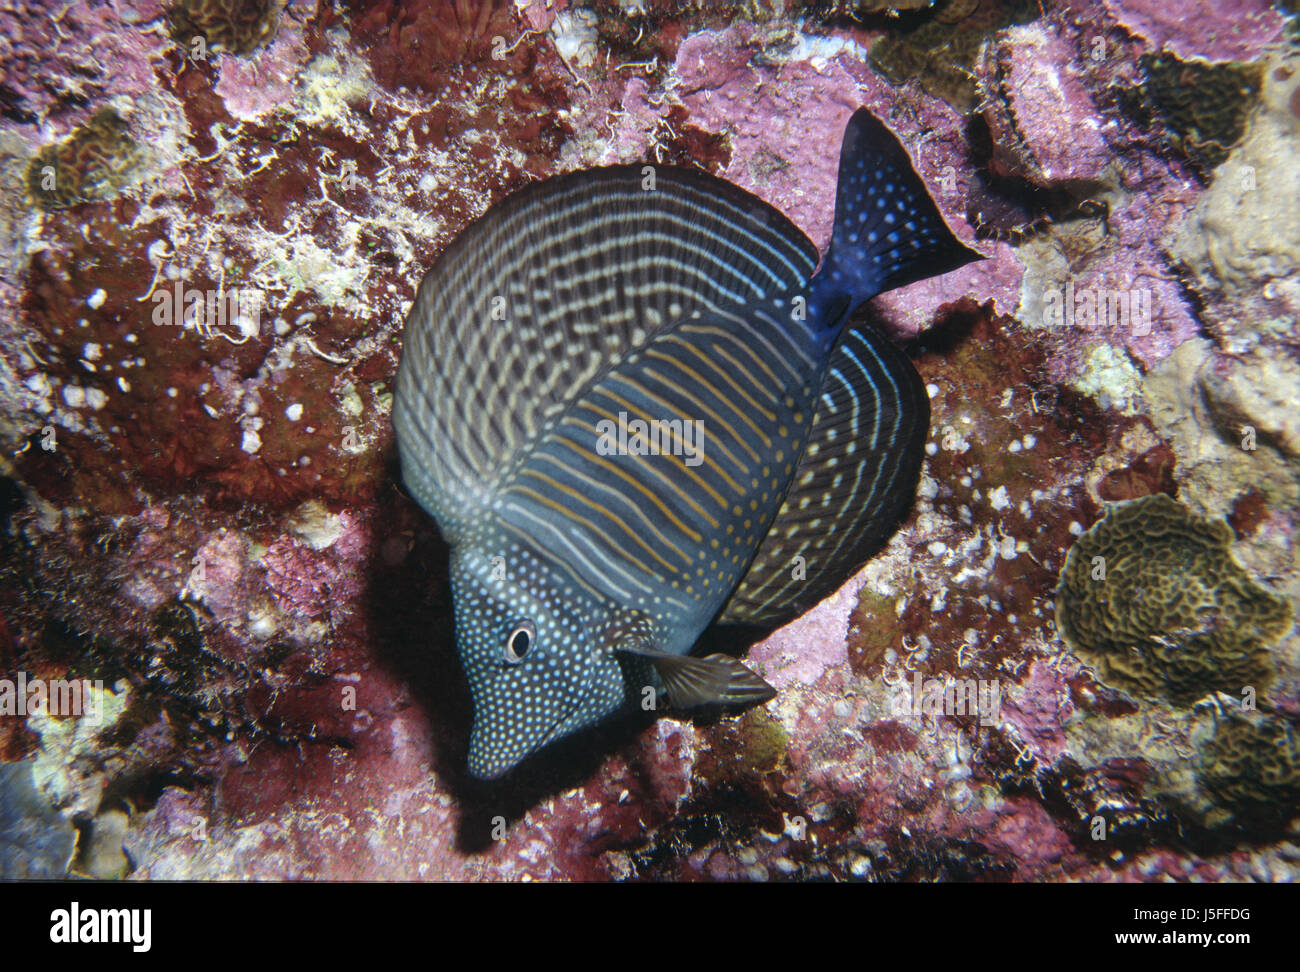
<point>526,649</point>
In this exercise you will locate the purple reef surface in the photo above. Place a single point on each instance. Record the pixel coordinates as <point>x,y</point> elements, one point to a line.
<point>202,517</point>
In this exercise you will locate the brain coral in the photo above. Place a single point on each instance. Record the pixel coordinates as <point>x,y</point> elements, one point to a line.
<point>1204,106</point>
<point>1252,766</point>
<point>238,26</point>
<point>1152,597</point>
<point>91,163</point>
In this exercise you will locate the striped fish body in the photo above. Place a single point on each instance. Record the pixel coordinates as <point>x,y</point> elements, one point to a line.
<point>657,531</point>
<point>609,383</point>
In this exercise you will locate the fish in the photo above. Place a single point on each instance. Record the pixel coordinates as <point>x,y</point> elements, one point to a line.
<point>557,357</point>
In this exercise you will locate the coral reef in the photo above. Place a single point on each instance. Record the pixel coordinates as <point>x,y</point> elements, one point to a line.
<point>1152,596</point>
<point>206,264</point>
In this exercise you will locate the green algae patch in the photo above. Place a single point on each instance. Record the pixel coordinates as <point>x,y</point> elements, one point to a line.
<point>1203,107</point>
<point>874,629</point>
<point>763,740</point>
<point>1152,597</point>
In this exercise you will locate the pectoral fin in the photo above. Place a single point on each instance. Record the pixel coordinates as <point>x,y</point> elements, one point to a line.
<point>712,680</point>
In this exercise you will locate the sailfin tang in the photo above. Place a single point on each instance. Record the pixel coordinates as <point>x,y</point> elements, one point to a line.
<point>856,478</point>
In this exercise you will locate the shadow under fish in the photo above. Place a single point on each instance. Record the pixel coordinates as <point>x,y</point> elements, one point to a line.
<point>631,401</point>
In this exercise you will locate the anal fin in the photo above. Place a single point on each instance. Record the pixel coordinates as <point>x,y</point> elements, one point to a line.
<point>856,478</point>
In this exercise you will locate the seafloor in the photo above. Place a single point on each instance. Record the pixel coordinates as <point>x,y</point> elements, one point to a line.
<point>206,522</point>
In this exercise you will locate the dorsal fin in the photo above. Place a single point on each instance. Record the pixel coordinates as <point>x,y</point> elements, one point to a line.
<point>856,478</point>
<point>578,269</point>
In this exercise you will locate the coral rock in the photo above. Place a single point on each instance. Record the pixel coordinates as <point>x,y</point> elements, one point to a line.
<point>1239,248</point>
<point>1044,124</point>
<point>35,841</point>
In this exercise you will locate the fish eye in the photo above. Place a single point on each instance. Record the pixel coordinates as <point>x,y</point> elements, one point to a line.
<point>520,640</point>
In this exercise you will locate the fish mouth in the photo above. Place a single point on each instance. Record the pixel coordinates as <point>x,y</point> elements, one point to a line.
<point>497,771</point>
<point>549,736</point>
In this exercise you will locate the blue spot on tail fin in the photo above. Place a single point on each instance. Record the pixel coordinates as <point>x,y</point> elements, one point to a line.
<point>888,230</point>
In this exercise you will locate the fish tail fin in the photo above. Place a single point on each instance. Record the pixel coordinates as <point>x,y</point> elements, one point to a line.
<point>888,230</point>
